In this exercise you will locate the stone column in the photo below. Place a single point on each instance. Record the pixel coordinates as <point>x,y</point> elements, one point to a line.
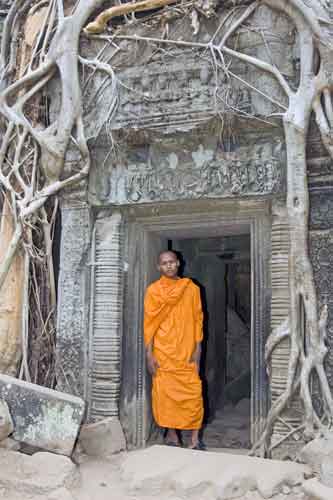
<point>106,306</point>
<point>292,416</point>
<point>73,303</point>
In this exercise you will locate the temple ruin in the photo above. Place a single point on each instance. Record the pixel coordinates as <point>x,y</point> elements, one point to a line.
<point>194,160</point>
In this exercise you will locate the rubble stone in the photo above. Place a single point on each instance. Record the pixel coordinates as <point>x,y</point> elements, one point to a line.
<point>40,474</point>
<point>317,491</point>
<point>326,471</point>
<point>6,422</point>
<point>102,438</point>
<point>43,418</point>
<point>316,451</point>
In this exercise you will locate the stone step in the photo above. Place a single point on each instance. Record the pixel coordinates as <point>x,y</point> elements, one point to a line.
<point>223,475</point>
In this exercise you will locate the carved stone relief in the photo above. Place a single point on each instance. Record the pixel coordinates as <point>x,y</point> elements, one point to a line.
<point>321,213</point>
<point>158,173</point>
<point>321,248</point>
<point>177,91</point>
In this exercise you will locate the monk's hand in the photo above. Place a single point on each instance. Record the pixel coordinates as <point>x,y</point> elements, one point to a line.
<point>152,364</point>
<point>196,357</point>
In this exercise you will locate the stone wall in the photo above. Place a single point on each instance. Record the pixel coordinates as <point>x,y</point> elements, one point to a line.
<point>171,143</point>
<point>176,137</point>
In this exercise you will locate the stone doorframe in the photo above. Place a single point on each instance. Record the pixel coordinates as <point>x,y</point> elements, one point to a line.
<point>143,224</point>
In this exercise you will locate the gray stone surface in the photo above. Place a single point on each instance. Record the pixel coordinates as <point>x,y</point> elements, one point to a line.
<point>61,494</point>
<point>41,474</point>
<point>326,471</point>
<point>225,476</point>
<point>187,169</point>
<point>317,451</point>
<point>42,417</point>
<point>10,444</point>
<point>73,310</point>
<point>104,378</point>
<point>317,491</point>
<point>6,422</point>
<point>103,438</point>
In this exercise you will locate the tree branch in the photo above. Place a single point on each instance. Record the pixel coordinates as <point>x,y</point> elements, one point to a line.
<point>100,23</point>
<point>268,68</point>
<point>247,13</point>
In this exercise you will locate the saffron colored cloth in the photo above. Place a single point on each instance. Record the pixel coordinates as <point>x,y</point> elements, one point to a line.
<point>173,321</point>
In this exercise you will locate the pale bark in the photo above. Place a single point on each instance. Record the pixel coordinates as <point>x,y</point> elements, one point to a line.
<point>10,296</point>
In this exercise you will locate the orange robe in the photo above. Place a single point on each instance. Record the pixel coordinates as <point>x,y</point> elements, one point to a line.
<point>173,320</point>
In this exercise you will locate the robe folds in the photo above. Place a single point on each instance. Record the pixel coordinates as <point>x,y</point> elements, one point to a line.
<point>173,321</point>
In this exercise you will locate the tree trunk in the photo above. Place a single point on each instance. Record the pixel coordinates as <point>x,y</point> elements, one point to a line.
<point>10,299</point>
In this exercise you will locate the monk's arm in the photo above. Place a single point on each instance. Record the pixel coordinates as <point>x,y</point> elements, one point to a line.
<point>152,363</point>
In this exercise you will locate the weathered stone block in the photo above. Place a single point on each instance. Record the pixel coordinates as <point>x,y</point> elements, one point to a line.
<point>10,444</point>
<point>317,491</point>
<point>40,474</point>
<point>6,422</point>
<point>227,476</point>
<point>326,471</point>
<point>61,494</point>
<point>316,451</point>
<point>103,438</point>
<point>42,417</point>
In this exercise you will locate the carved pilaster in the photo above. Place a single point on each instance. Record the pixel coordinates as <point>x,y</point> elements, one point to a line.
<point>105,318</point>
<point>292,416</point>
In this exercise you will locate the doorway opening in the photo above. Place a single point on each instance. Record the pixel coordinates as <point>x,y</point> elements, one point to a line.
<point>226,251</point>
<point>222,268</point>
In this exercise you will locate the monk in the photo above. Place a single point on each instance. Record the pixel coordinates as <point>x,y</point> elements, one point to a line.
<point>173,334</point>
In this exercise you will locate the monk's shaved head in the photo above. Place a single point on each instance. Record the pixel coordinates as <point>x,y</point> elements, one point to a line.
<point>165,253</point>
<point>168,264</point>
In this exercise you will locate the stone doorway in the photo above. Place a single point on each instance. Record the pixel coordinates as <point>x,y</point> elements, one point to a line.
<point>242,233</point>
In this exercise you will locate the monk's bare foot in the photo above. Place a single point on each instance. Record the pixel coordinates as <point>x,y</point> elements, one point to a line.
<point>171,438</point>
<point>196,443</point>
<point>194,438</point>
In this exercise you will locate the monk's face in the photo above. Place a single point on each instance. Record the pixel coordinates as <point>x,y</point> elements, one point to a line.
<point>168,265</point>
